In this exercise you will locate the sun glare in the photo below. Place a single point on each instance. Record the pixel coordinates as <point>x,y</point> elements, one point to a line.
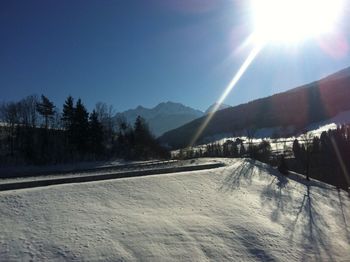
<point>282,21</point>
<point>294,20</point>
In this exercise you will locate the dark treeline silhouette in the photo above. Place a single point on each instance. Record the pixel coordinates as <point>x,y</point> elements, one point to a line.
<point>326,158</point>
<point>34,131</point>
<point>236,149</point>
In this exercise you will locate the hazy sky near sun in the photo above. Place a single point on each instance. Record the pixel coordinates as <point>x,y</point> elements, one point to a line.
<point>133,52</point>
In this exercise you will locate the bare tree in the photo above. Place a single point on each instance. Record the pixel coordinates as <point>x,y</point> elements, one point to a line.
<point>27,111</point>
<point>105,114</point>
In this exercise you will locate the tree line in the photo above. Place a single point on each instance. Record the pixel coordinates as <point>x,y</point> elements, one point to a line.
<point>34,131</point>
<point>231,148</point>
<point>325,158</point>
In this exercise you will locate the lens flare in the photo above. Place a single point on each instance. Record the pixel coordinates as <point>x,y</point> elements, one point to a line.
<point>252,55</point>
<point>282,21</point>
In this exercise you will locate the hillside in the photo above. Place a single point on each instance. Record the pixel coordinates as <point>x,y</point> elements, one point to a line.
<point>163,117</point>
<point>213,106</point>
<point>243,212</point>
<point>299,107</point>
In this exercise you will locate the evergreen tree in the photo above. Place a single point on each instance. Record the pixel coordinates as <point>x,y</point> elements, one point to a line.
<point>143,138</point>
<point>296,149</point>
<point>141,129</point>
<point>80,127</point>
<point>68,113</point>
<point>95,133</point>
<point>264,151</point>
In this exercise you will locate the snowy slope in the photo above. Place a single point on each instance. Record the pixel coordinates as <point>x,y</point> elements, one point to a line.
<point>243,212</point>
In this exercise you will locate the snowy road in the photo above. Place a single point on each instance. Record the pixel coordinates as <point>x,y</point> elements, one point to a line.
<point>114,173</point>
<point>243,212</point>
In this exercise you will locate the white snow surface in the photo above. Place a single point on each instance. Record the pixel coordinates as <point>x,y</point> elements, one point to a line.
<point>245,211</point>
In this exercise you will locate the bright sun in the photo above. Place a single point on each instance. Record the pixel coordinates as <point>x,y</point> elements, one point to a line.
<point>294,20</point>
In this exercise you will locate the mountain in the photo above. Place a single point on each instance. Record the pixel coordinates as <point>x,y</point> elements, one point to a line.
<point>297,108</point>
<point>163,117</point>
<point>220,107</point>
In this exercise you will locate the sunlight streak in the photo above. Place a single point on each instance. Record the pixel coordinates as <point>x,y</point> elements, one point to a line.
<point>252,55</point>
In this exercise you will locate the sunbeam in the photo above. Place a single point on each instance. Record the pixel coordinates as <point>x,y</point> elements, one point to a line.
<point>252,55</point>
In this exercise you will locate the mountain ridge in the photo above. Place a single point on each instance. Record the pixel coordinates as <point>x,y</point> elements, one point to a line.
<point>300,106</point>
<point>162,117</point>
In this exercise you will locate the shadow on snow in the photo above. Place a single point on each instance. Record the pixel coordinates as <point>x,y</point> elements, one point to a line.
<point>307,218</point>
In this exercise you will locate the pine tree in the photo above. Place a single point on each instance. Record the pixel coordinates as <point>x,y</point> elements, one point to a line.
<point>142,133</point>
<point>80,127</point>
<point>95,133</point>
<point>296,149</point>
<point>142,138</point>
<point>68,113</point>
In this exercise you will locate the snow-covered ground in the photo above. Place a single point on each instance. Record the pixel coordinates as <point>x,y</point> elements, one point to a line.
<point>245,211</point>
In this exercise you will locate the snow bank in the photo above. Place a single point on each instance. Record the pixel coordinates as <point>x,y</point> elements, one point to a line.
<point>245,211</point>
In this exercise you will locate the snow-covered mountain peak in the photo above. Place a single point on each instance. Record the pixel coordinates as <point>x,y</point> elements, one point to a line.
<point>164,116</point>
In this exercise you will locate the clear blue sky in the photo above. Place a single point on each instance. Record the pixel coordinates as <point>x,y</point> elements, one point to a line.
<point>133,52</point>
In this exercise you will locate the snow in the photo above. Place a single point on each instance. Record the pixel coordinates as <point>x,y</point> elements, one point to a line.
<point>245,211</point>
<point>332,123</point>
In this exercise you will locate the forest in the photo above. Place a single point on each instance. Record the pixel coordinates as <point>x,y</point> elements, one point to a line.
<point>34,131</point>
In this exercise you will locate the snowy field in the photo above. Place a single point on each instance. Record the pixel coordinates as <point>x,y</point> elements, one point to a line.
<point>245,211</point>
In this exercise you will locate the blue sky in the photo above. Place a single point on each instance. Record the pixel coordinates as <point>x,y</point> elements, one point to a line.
<point>129,53</point>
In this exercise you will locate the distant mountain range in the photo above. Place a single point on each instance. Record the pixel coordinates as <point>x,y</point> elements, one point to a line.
<point>163,117</point>
<point>296,108</point>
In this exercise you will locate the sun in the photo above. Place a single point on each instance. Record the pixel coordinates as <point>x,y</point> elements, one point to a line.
<point>294,20</point>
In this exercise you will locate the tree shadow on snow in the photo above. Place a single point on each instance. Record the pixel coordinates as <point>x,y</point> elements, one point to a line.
<point>277,199</point>
<point>343,217</point>
<point>242,174</point>
<point>312,224</point>
<point>308,219</point>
